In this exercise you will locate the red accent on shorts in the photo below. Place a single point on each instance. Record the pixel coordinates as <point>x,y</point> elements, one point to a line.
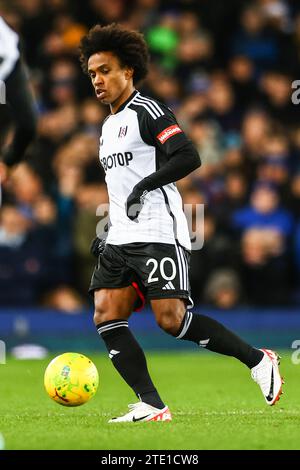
<point>141,296</point>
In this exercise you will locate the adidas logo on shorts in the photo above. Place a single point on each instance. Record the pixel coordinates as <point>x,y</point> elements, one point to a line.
<point>169,286</point>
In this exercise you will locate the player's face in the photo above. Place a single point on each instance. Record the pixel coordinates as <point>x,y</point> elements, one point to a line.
<point>113,83</point>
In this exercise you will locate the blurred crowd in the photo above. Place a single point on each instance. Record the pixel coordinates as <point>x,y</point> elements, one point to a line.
<point>226,69</point>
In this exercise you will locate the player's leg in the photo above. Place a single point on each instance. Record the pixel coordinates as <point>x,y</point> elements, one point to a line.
<point>165,271</point>
<point>116,294</point>
<point>113,307</point>
<point>172,316</point>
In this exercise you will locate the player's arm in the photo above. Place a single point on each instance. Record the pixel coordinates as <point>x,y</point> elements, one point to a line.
<point>181,158</point>
<point>181,163</point>
<point>21,101</point>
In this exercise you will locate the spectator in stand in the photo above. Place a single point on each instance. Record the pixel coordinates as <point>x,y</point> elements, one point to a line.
<point>241,71</point>
<point>24,258</point>
<point>223,289</point>
<point>222,106</point>
<point>255,41</point>
<point>234,198</point>
<point>264,211</point>
<point>276,88</point>
<point>218,252</point>
<point>265,267</point>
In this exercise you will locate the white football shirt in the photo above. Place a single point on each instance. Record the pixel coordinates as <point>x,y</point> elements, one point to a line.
<point>9,51</point>
<point>135,142</point>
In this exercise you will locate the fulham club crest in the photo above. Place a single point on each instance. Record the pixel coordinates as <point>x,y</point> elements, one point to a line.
<point>122,131</point>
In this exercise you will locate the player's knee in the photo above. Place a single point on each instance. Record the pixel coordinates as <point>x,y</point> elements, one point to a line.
<point>170,319</point>
<point>101,313</point>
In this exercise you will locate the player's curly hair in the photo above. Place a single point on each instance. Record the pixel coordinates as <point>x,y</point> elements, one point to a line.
<point>129,46</point>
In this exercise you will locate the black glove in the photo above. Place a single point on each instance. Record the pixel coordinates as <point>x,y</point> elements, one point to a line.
<point>97,246</point>
<point>135,202</point>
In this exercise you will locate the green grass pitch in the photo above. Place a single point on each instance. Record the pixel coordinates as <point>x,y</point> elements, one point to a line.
<point>214,402</point>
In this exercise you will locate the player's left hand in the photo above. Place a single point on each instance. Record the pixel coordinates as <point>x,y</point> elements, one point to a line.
<point>98,244</point>
<point>97,247</point>
<point>135,202</point>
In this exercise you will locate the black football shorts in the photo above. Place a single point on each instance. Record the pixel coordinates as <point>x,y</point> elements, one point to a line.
<point>155,270</point>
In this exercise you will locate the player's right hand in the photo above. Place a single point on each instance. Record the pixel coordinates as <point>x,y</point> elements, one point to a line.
<point>97,247</point>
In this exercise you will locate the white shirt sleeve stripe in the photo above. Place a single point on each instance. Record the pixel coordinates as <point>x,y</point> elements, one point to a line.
<point>139,100</point>
<point>151,103</point>
<point>146,107</point>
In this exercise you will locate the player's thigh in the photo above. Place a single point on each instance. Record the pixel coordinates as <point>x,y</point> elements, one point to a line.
<point>114,304</point>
